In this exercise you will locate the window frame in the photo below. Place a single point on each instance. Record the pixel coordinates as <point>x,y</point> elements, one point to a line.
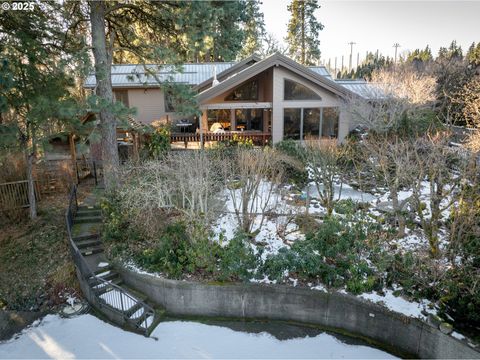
<point>318,97</point>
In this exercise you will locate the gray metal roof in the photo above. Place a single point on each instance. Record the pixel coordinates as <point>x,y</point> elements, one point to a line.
<point>321,70</point>
<point>141,75</point>
<point>133,75</point>
<point>362,88</point>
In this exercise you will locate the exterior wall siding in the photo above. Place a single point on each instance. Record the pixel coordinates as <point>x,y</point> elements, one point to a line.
<point>150,105</point>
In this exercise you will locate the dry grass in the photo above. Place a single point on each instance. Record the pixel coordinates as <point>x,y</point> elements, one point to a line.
<point>36,271</point>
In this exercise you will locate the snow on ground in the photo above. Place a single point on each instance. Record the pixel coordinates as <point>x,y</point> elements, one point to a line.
<point>86,336</point>
<point>399,304</point>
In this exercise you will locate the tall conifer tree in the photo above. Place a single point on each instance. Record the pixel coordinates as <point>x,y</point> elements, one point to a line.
<point>254,29</point>
<point>303,32</point>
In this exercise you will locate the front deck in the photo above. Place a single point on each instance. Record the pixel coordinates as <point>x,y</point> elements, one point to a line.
<point>201,139</point>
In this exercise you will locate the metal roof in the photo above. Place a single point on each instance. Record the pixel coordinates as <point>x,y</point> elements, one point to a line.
<point>362,88</point>
<point>142,75</point>
<point>137,75</point>
<point>321,70</point>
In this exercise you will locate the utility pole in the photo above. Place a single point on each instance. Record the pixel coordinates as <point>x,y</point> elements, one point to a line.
<point>358,58</point>
<point>396,46</point>
<point>335,72</point>
<point>351,43</point>
<point>342,63</point>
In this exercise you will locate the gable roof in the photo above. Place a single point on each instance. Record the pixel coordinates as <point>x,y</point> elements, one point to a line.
<point>273,60</point>
<point>231,70</point>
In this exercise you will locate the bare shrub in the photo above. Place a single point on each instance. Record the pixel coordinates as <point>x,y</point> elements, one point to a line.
<point>434,163</point>
<point>391,160</point>
<point>396,94</point>
<point>325,161</point>
<point>185,183</point>
<point>253,177</point>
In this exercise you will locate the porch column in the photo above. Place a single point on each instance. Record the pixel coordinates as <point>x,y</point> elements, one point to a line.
<point>233,122</point>
<point>203,127</point>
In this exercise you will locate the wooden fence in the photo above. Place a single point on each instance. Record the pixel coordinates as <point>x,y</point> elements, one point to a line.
<point>14,194</point>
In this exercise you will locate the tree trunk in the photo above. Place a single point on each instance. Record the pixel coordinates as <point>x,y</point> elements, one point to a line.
<point>103,64</point>
<point>303,33</point>
<point>31,186</point>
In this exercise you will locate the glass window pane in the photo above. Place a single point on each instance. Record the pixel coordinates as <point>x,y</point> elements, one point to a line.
<point>330,122</point>
<point>218,119</point>
<point>295,91</point>
<point>248,91</point>
<point>311,123</point>
<point>291,124</point>
<point>249,119</point>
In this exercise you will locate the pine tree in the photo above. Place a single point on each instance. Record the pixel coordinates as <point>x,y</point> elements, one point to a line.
<point>36,68</point>
<point>254,29</point>
<point>473,54</point>
<point>303,32</point>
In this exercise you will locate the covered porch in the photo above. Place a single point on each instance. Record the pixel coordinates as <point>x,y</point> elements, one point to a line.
<point>226,122</point>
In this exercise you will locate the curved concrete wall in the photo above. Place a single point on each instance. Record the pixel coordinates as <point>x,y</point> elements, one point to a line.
<point>392,331</point>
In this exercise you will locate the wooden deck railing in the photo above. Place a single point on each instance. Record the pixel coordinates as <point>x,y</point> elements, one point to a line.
<point>258,138</point>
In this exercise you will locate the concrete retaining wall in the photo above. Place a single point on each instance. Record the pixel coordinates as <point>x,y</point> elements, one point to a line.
<point>389,330</point>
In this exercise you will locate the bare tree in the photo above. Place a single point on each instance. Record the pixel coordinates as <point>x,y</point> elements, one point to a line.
<point>391,159</point>
<point>434,183</point>
<point>394,94</point>
<point>325,162</point>
<point>253,177</point>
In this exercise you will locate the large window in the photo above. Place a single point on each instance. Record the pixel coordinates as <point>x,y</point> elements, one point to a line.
<point>310,123</point>
<point>249,119</point>
<point>295,91</point>
<point>291,123</point>
<point>330,123</point>
<point>218,119</point>
<point>247,91</point>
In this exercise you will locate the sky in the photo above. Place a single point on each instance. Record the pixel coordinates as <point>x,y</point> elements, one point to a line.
<point>379,24</point>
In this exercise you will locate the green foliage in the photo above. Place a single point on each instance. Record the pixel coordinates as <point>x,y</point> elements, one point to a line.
<point>303,32</point>
<point>171,255</point>
<point>293,162</point>
<point>336,254</point>
<point>158,144</point>
<point>237,259</point>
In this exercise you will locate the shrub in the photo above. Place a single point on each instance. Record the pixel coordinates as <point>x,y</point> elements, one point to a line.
<point>170,255</point>
<point>295,170</point>
<point>158,144</point>
<point>237,260</point>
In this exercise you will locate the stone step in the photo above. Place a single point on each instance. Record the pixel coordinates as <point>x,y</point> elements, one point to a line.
<point>103,269</point>
<point>136,294</point>
<point>88,220</point>
<point>88,213</point>
<point>91,250</point>
<point>86,237</point>
<point>88,207</point>
<point>88,243</point>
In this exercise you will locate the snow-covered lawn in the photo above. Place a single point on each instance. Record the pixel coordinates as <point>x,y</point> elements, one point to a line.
<point>86,336</point>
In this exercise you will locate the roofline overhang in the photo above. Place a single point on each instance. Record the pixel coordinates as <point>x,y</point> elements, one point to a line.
<point>228,71</point>
<point>273,60</point>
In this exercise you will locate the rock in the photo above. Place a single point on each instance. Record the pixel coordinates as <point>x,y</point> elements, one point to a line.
<point>434,320</point>
<point>446,328</point>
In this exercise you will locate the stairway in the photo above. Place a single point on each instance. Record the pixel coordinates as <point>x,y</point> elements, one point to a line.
<point>109,290</point>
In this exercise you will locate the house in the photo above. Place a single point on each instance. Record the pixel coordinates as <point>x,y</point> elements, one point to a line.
<point>273,99</point>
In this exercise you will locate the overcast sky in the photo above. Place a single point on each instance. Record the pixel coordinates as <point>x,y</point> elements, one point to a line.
<point>379,24</point>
